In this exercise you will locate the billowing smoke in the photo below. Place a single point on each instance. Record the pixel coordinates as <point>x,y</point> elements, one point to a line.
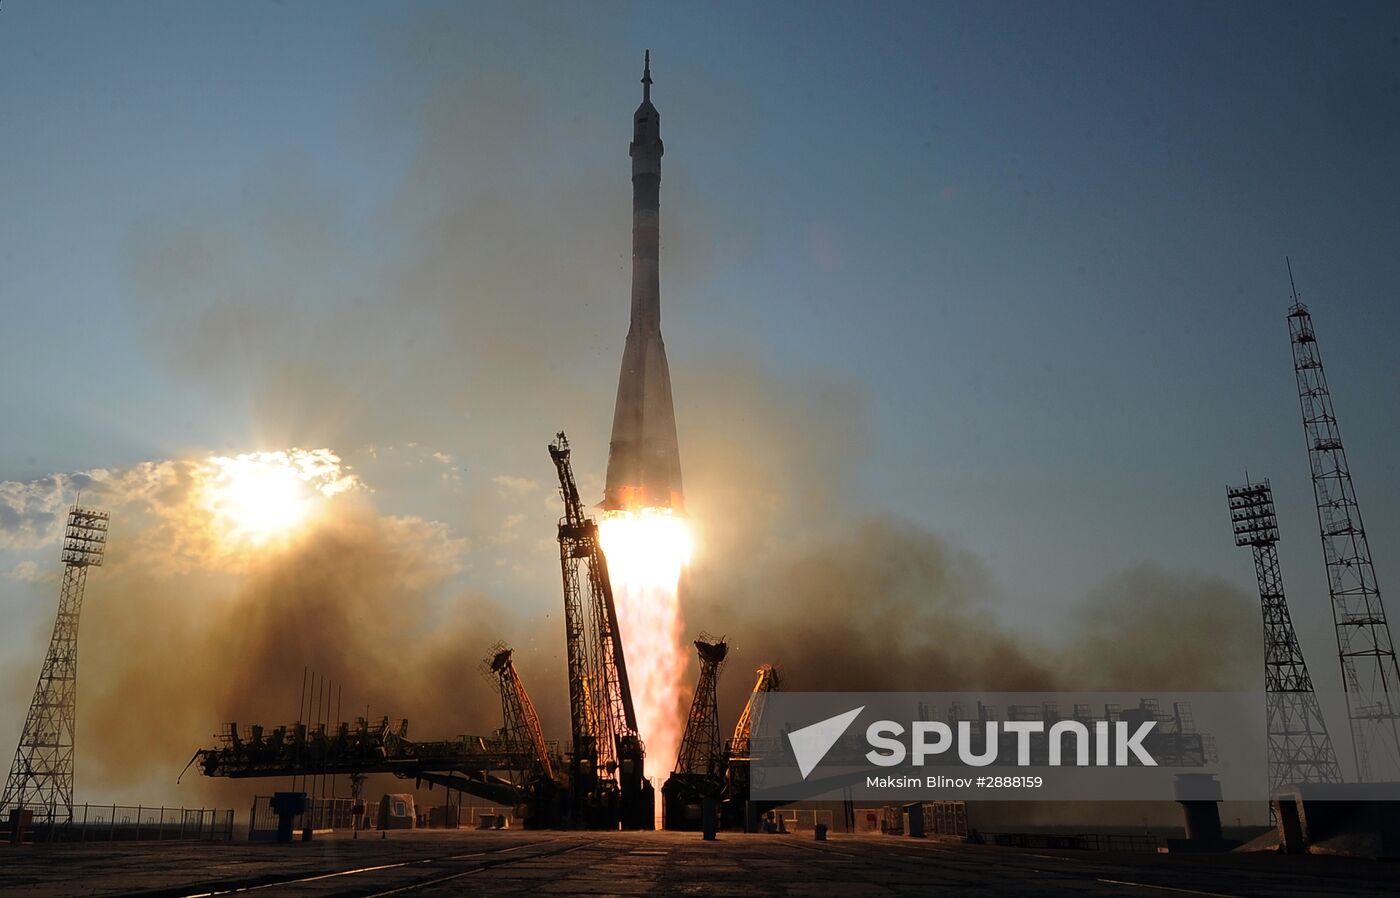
<point>799,570</point>
<point>190,625</point>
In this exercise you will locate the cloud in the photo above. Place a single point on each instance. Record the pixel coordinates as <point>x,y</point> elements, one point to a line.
<point>510,529</point>
<point>172,515</point>
<point>28,571</point>
<point>32,513</point>
<point>514,487</point>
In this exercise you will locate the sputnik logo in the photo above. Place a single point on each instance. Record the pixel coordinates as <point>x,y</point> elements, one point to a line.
<point>811,743</point>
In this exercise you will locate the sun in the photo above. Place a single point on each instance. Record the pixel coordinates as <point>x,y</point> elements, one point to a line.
<point>258,496</point>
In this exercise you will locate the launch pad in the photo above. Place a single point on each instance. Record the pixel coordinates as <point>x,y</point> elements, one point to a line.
<point>504,864</point>
<point>598,784</point>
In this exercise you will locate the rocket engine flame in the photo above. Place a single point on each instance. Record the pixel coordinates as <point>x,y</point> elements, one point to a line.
<point>646,550</point>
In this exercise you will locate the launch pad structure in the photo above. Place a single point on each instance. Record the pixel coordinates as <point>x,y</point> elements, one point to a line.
<point>607,781</point>
<point>599,783</point>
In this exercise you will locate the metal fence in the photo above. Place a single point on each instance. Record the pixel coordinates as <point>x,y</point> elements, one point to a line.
<point>128,823</point>
<point>339,814</point>
<point>321,814</point>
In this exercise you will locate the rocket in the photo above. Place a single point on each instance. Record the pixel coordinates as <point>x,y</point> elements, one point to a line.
<point>644,462</point>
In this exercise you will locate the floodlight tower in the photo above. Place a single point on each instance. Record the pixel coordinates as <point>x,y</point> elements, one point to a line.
<point>41,777</point>
<point>1300,751</point>
<point>1369,672</point>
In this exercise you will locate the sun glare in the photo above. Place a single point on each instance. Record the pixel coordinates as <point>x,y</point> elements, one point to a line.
<point>259,496</point>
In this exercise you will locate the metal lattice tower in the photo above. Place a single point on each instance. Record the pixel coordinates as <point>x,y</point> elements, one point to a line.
<point>1369,672</point>
<point>768,681</point>
<point>1300,750</point>
<point>607,750</point>
<point>521,725</point>
<point>41,777</point>
<point>700,748</point>
<point>599,692</point>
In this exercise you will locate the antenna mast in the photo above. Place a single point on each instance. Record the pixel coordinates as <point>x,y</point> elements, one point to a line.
<point>1367,654</point>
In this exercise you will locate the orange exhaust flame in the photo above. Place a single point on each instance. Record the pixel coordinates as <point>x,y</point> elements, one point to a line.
<point>646,551</point>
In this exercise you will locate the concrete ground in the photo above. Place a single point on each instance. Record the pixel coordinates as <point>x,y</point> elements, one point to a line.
<point>516,863</point>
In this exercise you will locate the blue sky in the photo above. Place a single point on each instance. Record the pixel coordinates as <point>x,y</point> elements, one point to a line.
<point>1039,248</point>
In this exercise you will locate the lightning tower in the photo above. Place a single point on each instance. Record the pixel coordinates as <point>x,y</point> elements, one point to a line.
<point>41,777</point>
<point>1369,672</point>
<point>1300,751</point>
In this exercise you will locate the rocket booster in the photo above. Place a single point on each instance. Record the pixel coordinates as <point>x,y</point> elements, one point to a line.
<point>644,464</point>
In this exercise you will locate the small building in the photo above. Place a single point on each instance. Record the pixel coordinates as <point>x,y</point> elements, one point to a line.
<point>396,811</point>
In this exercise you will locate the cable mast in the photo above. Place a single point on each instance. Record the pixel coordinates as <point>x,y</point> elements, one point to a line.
<point>41,776</point>
<point>700,750</point>
<point>738,750</point>
<point>1300,750</point>
<point>692,791</point>
<point>532,762</point>
<point>1364,646</point>
<point>521,725</point>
